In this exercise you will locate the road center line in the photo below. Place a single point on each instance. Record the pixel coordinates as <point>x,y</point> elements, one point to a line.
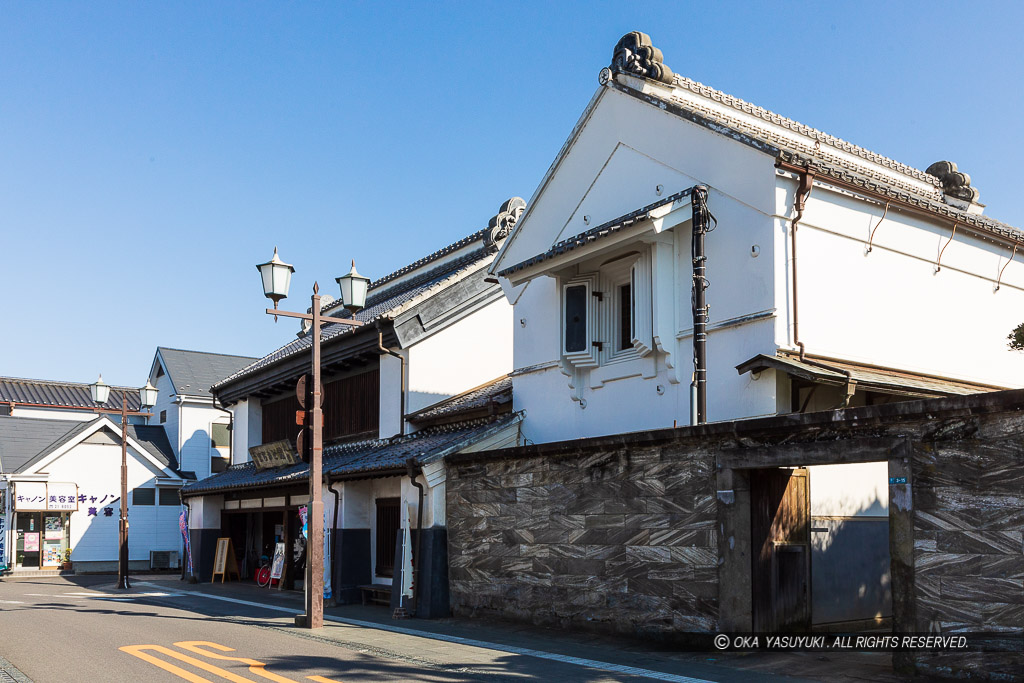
<point>565,659</point>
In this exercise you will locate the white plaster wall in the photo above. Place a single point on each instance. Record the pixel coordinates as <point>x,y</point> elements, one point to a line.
<point>390,395</point>
<point>890,307</point>
<point>662,149</point>
<point>850,490</point>
<point>205,511</point>
<point>96,469</point>
<point>196,445</point>
<point>356,501</point>
<point>461,356</point>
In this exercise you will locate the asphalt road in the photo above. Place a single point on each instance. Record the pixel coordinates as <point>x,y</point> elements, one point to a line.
<point>54,631</point>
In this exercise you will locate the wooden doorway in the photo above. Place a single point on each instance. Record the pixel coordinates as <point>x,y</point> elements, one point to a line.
<point>780,521</point>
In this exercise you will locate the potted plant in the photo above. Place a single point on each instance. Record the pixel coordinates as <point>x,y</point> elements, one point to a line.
<point>66,565</point>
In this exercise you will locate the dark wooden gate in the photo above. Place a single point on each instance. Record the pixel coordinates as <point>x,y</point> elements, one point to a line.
<point>780,528</point>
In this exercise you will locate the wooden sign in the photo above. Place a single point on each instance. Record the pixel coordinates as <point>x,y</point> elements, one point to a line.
<point>224,562</point>
<point>273,454</point>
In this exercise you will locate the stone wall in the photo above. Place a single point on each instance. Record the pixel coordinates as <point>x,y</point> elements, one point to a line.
<point>619,539</point>
<point>644,533</point>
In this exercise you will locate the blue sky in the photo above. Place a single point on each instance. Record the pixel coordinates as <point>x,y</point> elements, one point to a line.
<point>152,153</point>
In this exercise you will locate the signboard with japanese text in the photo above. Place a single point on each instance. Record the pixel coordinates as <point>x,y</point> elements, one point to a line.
<point>43,496</point>
<point>31,541</point>
<point>273,454</point>
<point>277,566</point>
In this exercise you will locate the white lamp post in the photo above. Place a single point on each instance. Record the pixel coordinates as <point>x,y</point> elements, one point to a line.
<point>353,289</point>
<point>100,392</point>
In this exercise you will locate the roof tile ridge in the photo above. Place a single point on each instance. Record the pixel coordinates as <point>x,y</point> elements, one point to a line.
<point>797,127</point>
<point>443,251</point>
<point>202,353</point>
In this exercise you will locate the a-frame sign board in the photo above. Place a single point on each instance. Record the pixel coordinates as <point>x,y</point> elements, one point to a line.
<point>224,562</point>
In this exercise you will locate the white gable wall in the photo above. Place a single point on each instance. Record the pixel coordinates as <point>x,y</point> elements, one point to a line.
<point>96,469</point>
<point>459,356</point>
<point>165,401</point>
<point>622,153</point>
<point>889,307</point>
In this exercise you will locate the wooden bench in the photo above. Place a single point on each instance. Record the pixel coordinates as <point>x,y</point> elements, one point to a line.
<point>377,593</point>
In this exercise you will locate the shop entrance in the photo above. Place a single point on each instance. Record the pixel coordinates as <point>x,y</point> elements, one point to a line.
<point>42,539</point>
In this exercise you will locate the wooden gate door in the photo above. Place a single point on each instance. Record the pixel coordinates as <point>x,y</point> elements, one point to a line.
<point>780,527</point>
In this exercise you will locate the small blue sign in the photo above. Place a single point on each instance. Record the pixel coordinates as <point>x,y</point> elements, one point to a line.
<point>897,480</point>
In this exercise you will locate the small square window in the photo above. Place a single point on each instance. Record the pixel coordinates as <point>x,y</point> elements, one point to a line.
<point>144,497</point>
<point>169,497</point>
<point>220,436</point>
<point>163,416</point>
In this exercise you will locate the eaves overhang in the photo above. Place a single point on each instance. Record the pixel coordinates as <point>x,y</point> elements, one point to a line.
<point>606,232</point>
<point>354,347</point>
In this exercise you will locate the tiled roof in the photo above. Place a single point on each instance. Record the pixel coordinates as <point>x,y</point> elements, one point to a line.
<point>805,144</point>
<point>24,440</point>
<point>194,372</point>
<point>497,392</point>
<point>360,457</point>
<point>867,377</point>
<point>382,306</point>
<point>604,230</point>
<point>63,394</point>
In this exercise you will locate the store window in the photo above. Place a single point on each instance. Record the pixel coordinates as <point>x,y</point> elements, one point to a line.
<point>144,497</point>
<point>388,521</point>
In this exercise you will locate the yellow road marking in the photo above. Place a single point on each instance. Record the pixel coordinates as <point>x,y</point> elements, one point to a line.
<point>321,679</point>
<point>136,650</point>
<point>255,666</point>
<point>188,676</point>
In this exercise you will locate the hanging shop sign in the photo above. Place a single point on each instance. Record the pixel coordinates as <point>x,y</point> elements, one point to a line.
<point>273,454</point>
<point>44,496</point>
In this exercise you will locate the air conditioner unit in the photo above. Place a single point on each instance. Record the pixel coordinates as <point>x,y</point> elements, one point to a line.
<point>164,559</point>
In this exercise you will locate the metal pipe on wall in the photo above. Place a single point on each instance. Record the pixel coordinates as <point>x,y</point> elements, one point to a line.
<point>699,388</point>
<point>413,471</point>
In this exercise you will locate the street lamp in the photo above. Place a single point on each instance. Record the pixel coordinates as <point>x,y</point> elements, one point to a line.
<point>100,392</point>
<point>277,277</point>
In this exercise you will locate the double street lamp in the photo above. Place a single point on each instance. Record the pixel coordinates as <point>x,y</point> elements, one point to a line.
<point>277,277</point>
<point>100,392</point>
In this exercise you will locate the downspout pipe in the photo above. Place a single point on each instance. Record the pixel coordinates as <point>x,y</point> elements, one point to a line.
<point>385,350</point>
<point>803,191</point>
<point>414,470</point>
<point>699,386</point>
<point>334,539</point>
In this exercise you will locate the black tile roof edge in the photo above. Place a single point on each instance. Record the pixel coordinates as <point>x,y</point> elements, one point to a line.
<point>440,407</point>
<point>300,475</point>
<point>477,236</point>
<point>593,234</point>
<point>783,425</point>
<point>459,269</point>
<point>805,130</point>
<point>57,382</point>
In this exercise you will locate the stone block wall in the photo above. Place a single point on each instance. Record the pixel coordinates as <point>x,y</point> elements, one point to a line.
<point>618,539</point>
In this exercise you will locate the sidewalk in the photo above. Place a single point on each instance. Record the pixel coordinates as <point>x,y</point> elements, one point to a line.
<point>349,624</point>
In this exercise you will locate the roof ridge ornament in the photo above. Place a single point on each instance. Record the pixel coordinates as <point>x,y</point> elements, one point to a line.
<point>634,54</point>
<point>503,222</point>
<point>954,183</point>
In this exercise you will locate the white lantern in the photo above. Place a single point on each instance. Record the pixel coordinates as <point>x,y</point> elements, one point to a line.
<point>277,277</point>
<point>147,395</point>
<point>353,289</point>
<point>100,391</point>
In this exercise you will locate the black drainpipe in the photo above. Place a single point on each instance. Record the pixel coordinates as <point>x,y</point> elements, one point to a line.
<point>699,386</point>
<point>413,469</point>
<point>383,349</point>
<point>334,540</point>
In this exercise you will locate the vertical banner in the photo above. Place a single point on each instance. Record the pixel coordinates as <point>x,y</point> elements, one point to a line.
<point>3,535</point>
<point>328,530</point>
<point>406,554</point>
<point>183,525</point>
